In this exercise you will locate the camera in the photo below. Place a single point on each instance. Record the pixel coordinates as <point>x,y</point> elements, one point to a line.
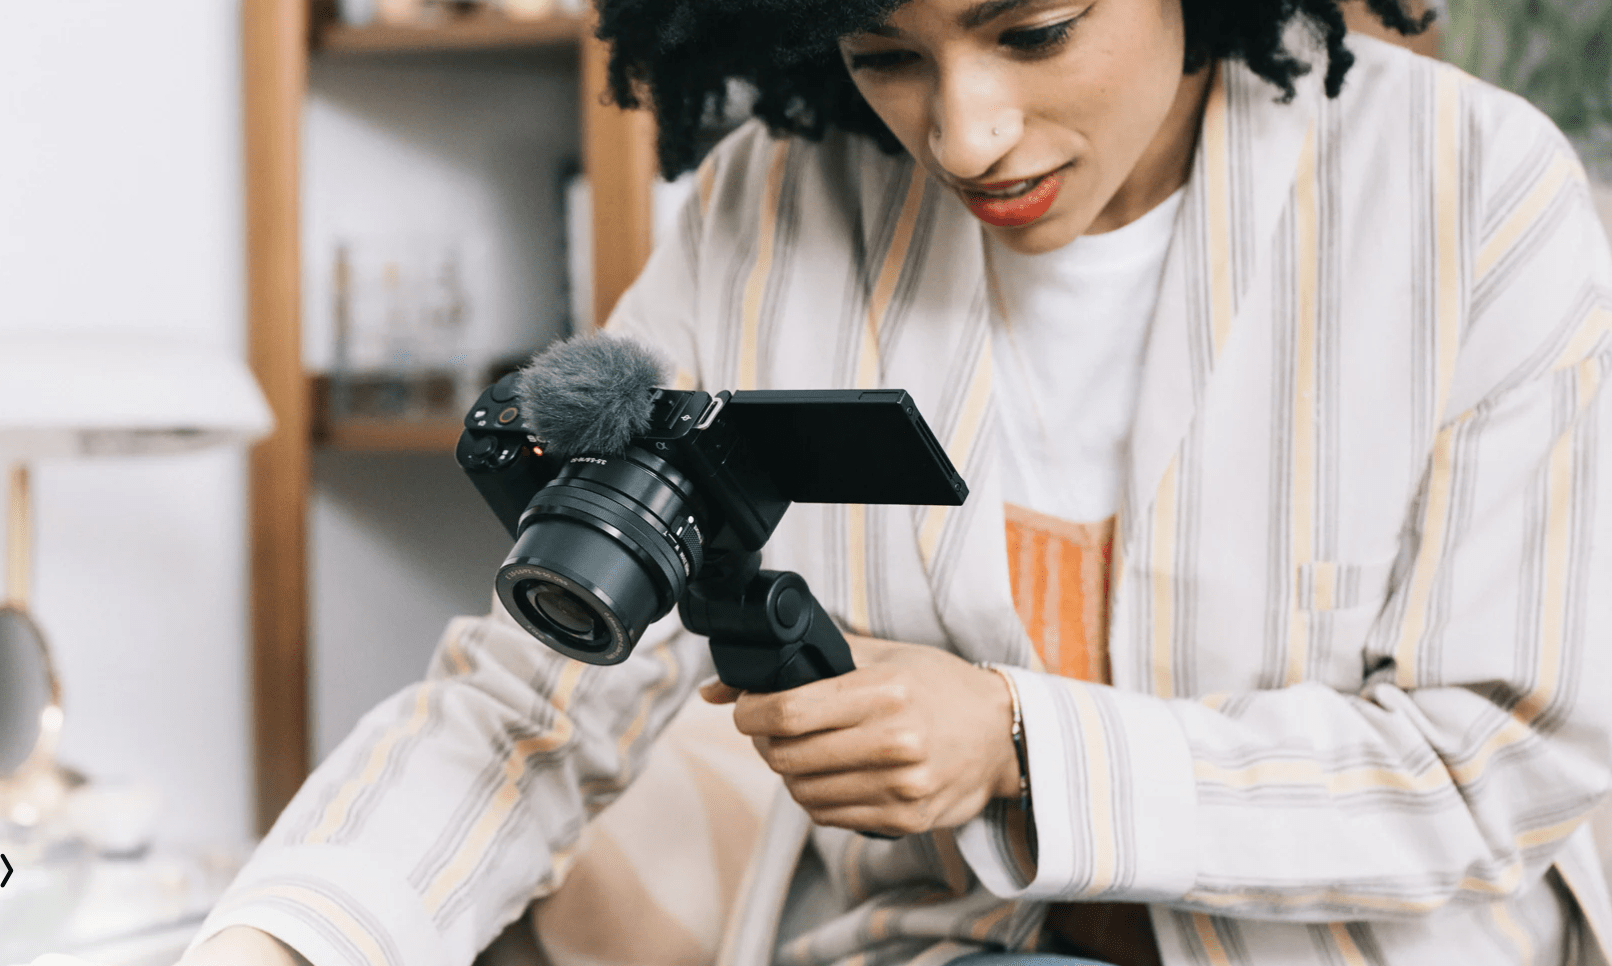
<point>607,543</point>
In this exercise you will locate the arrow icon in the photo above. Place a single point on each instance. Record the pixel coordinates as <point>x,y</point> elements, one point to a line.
<point>8,870</point>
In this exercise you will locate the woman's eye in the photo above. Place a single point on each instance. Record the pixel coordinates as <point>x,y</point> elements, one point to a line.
<point>882,60</point>
<point>1039,39</point>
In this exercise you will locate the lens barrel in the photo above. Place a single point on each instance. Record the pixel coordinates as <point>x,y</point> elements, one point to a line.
<point>604,550</point>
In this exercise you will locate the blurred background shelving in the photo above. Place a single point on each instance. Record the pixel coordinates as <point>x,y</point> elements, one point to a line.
<point>469,125</point>
<point>369,434</point>
<point>480,30</point>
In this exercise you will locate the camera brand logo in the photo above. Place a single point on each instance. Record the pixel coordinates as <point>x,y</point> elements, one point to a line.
<point>590,459</point>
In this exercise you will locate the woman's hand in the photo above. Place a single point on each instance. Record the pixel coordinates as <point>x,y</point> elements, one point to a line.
<point>914,739</point>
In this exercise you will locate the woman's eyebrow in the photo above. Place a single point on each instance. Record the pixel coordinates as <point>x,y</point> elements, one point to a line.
<point>976,16</point>
<point>983,13</point>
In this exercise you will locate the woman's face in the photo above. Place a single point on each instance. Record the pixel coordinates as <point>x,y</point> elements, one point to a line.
<point>1050,119</point>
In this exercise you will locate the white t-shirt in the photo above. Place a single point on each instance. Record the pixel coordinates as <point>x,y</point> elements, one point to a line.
<point>1067,345</point>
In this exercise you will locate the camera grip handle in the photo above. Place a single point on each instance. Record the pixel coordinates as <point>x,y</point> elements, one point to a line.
<point>772,635</point>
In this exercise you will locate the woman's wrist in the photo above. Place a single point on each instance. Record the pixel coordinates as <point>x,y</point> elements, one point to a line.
<point>1012,774</point>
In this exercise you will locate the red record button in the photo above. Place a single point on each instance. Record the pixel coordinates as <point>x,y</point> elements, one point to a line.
<point>508,416</point>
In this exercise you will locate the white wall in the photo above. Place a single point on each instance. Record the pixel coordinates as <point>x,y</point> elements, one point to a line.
<point>399,543</point>
<point>120,209</point>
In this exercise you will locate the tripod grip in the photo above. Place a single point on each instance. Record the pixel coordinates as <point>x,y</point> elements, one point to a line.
<point>773,636</point>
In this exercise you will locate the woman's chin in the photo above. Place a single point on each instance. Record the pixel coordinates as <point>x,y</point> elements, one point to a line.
<point>1052,231</point>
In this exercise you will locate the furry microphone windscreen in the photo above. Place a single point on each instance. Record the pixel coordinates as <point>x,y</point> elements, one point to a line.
<point>589,394</point>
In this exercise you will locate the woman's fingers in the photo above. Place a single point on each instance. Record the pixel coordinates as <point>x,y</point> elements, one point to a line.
<point>842,750</point>
<point>838,702</point>
<point>876,787</point>
<point>715,692</point>
<point>884,818</point>
<point>890,801</point>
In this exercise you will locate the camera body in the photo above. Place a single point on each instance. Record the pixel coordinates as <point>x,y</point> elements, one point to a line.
<point>605,544</point>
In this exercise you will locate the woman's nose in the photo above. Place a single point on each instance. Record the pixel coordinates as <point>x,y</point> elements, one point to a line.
<point>972,126</point>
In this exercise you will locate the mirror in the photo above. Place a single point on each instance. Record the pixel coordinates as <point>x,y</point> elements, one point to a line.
<point>31,784</point>
<point>30,708</point>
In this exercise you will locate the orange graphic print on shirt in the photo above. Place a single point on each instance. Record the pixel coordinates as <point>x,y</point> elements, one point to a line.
<point>1060,576</point>
<point>1059,572</point>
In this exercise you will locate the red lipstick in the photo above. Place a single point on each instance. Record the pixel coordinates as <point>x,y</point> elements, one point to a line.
<point>1018,210</point>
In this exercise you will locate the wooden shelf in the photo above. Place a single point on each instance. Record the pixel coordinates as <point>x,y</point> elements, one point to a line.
<point>486,30</point>
<point>390,435</point>
<point>377,434</point>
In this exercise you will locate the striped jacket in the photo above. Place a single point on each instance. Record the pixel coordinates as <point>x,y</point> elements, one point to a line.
<point>1358,710</point>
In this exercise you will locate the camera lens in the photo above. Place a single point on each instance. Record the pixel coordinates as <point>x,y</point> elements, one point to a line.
<point>563,609</point>
<point>603,551</point>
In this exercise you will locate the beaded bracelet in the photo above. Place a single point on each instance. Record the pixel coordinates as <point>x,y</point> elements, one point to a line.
<point>1019,748</point>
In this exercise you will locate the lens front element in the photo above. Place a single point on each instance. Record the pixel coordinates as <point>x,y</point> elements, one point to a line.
<point>565,615</point>
<point>556,604</point>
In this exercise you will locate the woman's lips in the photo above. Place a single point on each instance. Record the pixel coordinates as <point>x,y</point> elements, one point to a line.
<point>1020,209</point>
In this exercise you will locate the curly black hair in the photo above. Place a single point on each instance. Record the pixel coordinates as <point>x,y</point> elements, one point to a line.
<point>683,53</point>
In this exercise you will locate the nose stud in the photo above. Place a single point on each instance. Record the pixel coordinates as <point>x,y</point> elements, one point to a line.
<point>995,133</point>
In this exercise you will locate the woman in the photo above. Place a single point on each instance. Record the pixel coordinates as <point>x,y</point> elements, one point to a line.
<point>1299,372</point>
